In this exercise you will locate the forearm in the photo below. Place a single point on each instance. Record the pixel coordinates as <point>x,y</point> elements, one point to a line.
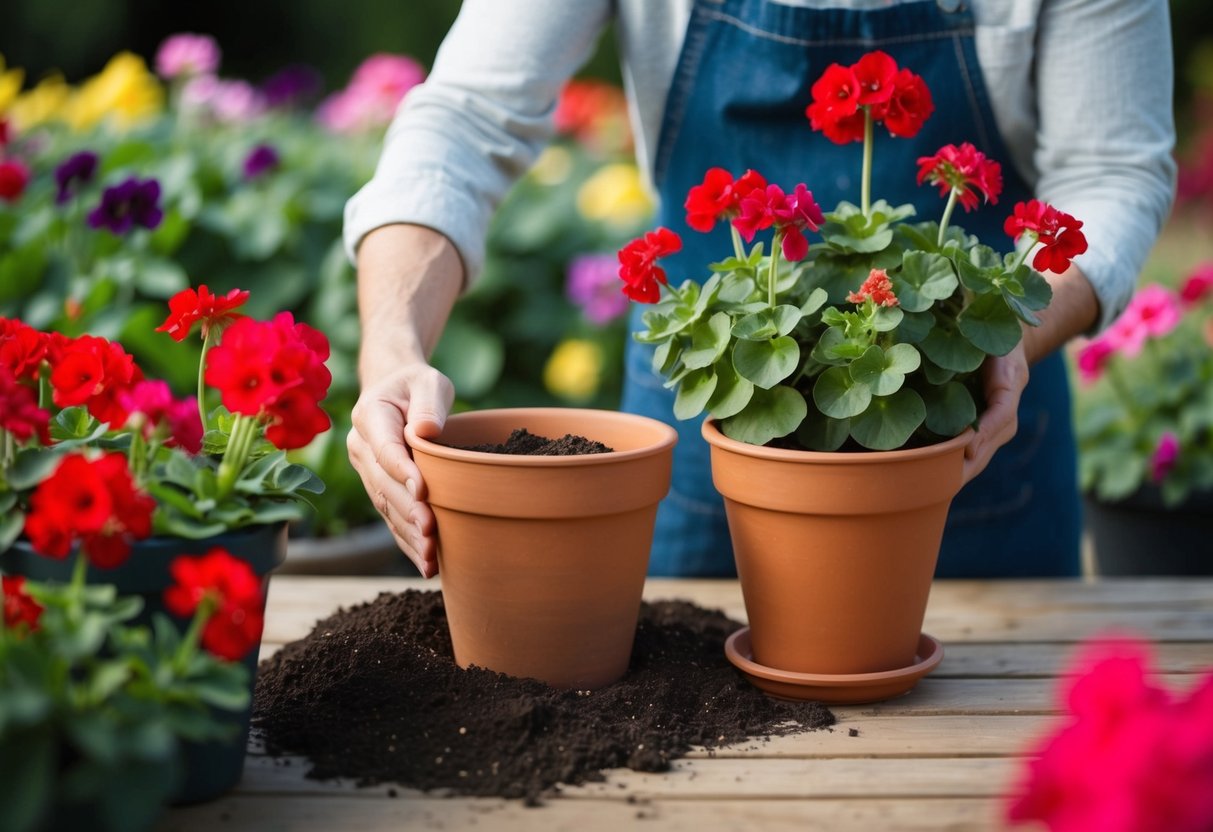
<point>1074,310</point>
<point>409,278</point>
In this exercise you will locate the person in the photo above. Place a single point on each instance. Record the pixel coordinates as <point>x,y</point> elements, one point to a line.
<point>1072,96</point>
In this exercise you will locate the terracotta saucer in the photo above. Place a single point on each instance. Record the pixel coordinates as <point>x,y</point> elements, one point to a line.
<point>833,689</point>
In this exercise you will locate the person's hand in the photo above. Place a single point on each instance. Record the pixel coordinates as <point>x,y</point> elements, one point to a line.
<point>420,395</point>
<point>1003,379</point>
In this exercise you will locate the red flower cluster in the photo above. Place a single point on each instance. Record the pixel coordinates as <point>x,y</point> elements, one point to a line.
<point>897,98</point>
<point>274,370</point>
<point>1132,758</point>
<point>638,264</point>
<point>19,411</point>
<point>94,373</point>
<point>19,608</point>
<point>962,169</point>
<point>93,502</point>
<point>14,176</point>
<point>1057,231</point>
<point>22,349</point>
<point>877,288</point>
<point>791,214</point>
<point>187,307</point>
<point>234,592</point>
<point>719,197</point>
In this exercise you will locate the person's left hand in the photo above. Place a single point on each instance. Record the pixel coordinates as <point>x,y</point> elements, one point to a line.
<point>1003,378</point>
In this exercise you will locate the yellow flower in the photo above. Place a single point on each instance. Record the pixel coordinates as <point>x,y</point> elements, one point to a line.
<point>553,166</point>
<point>574,370</point>
<point>124,91</point>
<point>43,103</point>
<point>614,194</point>
<point>10,84</point>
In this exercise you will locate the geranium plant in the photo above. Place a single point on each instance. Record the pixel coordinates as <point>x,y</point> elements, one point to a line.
<point>1145,404</point>
<point>94,707</point>
<point>94,454</point>
<point>872,335</point>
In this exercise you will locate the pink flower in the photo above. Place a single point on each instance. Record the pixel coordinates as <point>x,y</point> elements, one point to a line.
<point>155,405</point>
<point>962,169</point>
<point>1166,454</point>
<point>1198,286</point>
<point>1131,758</point>
<point>371,98</point>
<point>1152,313</point>
<point>1092,359</point>
<point>592,286</point>
<point>229,102</point>
<point>186,55</point>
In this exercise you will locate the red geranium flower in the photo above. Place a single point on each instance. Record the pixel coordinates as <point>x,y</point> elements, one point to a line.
<point>14,176</point>
<point>295,419</point>
<point>93,502</point>
<point>19,607</point>
<point>95,373</point>
<point>187,307</point>
<point>638,264</point>
<point>875,73</point>
<point>19,411</point>
<point>758,210</point>
<point>909,107</point>
<point>798,213</point>
<point>234,593</point>
<point>877,288</point>
<point>1198,285</point>
<point>962,169</point>
<point>719,197</point>
<point>22,348</point>
<point>1058,232</point>
<point>835,108</point>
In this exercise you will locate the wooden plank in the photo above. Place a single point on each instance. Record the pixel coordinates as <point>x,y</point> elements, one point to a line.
<point>383,813</point>
<point>1042,659</point>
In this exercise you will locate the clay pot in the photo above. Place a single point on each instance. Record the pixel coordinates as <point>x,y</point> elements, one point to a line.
<point>835,551</point>
<point>543,558</point>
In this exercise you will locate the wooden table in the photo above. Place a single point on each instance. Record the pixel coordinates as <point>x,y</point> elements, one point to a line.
<point>939,758</point>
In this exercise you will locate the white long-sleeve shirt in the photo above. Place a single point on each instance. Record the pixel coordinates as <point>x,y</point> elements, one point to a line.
<point>1081,91</point>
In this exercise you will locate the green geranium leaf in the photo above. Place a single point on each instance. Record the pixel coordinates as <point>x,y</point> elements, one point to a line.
<point>666,355</point>
<point>12,522</point>
<point>736,288</point>
<point>821,433</point>
<point>951,351</point>
<point>693,393</point>
<point>950,408</point>
<point>267,513</point>
<point>767,323</point>
<point>976,278</point>
<point>840,396</point>
<point>31,466</point>
<point>935,374</point>
<point>915,326</point>
<point>769,415</point>
<point>709,339</point>
<point>887,318</point>
<point>732,392</point>
<point>885,372</point>
<point>175,524</point>
<point>990,325</point>
<point>833,347</point>
<point>924,278</point>
<point>766,363</point>
<point>817,298</point>
<point>889,421</point>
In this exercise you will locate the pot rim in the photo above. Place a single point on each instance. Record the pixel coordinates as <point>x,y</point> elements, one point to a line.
<point>715,436</point>
<point>666,434</point>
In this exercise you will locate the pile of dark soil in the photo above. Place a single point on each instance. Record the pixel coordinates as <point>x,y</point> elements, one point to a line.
<point>374,694</point>
<point>525,443</point>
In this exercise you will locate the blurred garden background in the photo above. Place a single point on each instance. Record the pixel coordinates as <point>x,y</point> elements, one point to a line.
<point>255,150</point>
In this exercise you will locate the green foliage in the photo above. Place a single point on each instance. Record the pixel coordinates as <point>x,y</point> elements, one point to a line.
<point>94,710</point>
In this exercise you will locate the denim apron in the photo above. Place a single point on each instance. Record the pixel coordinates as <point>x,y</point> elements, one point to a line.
<point>737,101</point>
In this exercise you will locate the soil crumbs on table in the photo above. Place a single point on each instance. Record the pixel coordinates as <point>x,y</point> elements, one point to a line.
<point>524,443</point>
<point>374,694</point>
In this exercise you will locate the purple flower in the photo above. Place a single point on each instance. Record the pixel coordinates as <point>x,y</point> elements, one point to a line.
<point>128,204</point>
<point>185,55</point>
<point>291,86</point>
<point>593,284</point>
<point>261,159</point>
<point>79,168</point>
<point>1165,456</point>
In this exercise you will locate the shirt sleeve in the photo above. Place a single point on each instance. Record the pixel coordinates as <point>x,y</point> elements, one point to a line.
<point>1106,132</point>
<point>460,139</point>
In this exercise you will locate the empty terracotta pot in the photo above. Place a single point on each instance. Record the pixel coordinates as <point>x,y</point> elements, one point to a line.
<point>835,551</point>
<point>543,558</point>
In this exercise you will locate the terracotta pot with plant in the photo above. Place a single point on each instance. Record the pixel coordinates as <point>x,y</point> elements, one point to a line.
<point>835,371</point>
<point>137,534</point>
<point>543,557</point>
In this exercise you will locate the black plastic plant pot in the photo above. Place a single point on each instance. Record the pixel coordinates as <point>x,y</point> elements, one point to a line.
<point>1139,535</point>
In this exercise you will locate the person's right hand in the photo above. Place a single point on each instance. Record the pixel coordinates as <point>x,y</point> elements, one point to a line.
<point>416,394</point>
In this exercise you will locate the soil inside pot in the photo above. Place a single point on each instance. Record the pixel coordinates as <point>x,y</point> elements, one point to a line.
<point>374,694</point>
<point>525,443</point>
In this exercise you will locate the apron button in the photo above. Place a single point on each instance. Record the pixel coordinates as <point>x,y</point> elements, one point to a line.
<point>950,6</point>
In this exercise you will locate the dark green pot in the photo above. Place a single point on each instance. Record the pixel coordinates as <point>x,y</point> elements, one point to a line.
<point>211,768</point>
<point>1140,535</point>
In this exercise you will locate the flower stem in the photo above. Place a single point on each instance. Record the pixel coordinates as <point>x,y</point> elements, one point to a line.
<point>947,216</point>
<point>866,183</point>
<point>206,346</point>
<point>1120,387</point>
<point>773,273</point>
<point>189,642</point>
<point>8,451</point>
<point>738,248</point>
<point>1023,255</point>
<point>239,444</point>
